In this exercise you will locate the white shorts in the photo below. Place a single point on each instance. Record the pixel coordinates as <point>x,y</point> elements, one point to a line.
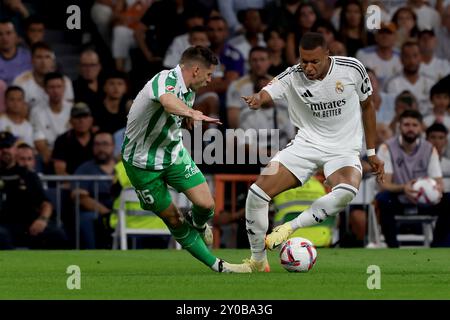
<point>303,159</point>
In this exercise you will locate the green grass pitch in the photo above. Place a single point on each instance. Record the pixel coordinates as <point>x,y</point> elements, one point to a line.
<point>172,274</point>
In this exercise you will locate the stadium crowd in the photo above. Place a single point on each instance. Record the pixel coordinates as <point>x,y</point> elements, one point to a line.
<point>53,123</point>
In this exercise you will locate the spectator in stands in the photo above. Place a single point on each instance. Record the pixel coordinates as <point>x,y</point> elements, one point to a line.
<point>50,119</point>
<point>440,99</point>
<point>162,22</point>
<point>437,135</point>
<point>337,48</point>
<point>281,14</point>
<point>443,36</point>
<point>405,20</point>
<point>74,147</point>
<point>185,40</point>
<point>102,14</point>
<point>210,99</point>
<point>14,59</point>
<point>352,27</point>
<point>15,119</point>
<point>306,17</point>
<point>127,17</point>
<point>25,218</point>
<point>32,82</point>
<point>406,157</point>
<point>231,62</point>
<point>92,226</point>
<point>111,115</point>
<point>88,86</point>
<point>244,86</point>
<point>327,29</point>
<point>26,156</point>
<point>276,43</point>
<point>270,117</point>
<point>197,36</point>
<point>382,58</point>
<point>3,87</point>
<point>34,30</point>
<point>404,101</point>
<point>253,35</point>
<point>410,79</point>
<point>427,17</point>
<point>231,9</point>
<point>16,7</point>
<point>383,102</point>
<point>431,66</point>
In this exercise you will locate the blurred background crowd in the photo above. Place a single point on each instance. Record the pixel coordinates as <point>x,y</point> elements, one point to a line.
<point>65,94</point>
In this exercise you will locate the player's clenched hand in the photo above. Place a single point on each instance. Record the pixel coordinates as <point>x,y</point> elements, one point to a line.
<point>377,167</point>
<point>253,101</point>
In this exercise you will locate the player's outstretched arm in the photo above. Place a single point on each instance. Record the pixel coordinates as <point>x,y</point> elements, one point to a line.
<point>257,100</point>
<point>173,105</point>
<point>369,122</point>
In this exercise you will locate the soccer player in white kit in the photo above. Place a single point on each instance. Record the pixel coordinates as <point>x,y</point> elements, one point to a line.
<point>328,96</point>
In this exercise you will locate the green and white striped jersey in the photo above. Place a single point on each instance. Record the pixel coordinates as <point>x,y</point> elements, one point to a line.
<point>153,138</point>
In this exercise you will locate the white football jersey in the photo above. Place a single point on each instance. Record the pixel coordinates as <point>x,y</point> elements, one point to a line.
<point>327,112</point>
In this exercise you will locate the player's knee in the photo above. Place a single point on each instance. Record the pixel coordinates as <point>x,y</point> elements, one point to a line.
<point>206,204</point>
<point>257,197</point>
<point>334,202</point>
<point>344,194</point>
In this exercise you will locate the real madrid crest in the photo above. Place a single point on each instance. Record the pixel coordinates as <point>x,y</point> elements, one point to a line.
<point>339,87</point>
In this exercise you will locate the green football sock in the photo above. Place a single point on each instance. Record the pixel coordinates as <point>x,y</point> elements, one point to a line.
<point>200,215</point>
<point>190,240</point>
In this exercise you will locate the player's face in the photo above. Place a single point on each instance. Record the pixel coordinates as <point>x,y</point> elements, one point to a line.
<point>201,76</point>
<point>314,62</point>
<point>410,129</point>
<point>438,140</point>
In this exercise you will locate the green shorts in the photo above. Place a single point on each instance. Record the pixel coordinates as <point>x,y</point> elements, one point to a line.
<point>151,185</point>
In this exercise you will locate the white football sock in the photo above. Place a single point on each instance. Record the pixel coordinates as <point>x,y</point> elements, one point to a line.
<point>257,220</point>
<point>328,205</point>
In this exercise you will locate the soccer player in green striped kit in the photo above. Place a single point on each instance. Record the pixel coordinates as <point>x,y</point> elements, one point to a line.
<point>154,156</point>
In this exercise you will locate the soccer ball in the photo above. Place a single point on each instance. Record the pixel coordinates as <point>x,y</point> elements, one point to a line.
<point>427,191</point>
<point>298,255</point>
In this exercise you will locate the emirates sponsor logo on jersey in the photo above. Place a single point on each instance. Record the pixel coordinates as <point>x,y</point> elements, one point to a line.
<point>327,109</point>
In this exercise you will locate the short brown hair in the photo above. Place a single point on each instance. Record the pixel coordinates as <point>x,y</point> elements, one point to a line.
<point>200,54</point>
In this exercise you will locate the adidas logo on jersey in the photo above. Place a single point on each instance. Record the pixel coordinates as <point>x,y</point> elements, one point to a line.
<point>307,94</point>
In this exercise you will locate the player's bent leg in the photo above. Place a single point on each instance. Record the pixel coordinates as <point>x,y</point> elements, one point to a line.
<point>202,211</point>
<point>257,207</point>
<point>190,239</point>
<point>345,183</point>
